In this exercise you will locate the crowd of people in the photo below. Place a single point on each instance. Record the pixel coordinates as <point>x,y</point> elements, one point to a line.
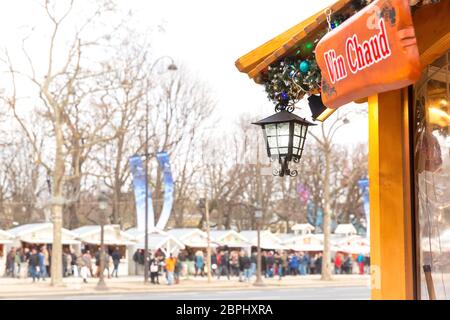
<point>234,263</point>
<point>36,262</point>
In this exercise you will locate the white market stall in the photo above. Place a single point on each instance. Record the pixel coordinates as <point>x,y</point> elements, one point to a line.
<point>37,234</point>
<point>157,240</point>
<point>346,229</point>
<point>269,241</point>
<point>302,228</point>
<point>307,243</point>
<point>5,240</point>
<point>114,237</point>
<point>230,239</point>
<point>192,238</point>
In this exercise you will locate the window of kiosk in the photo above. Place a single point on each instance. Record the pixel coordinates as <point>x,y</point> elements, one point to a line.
<point>432,177</point>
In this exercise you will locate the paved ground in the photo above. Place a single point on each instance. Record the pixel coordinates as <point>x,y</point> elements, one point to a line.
<point>307,287</point>
<point>324,293</point>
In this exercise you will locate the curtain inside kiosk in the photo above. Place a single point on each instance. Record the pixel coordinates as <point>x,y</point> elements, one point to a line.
<point>432,171</point>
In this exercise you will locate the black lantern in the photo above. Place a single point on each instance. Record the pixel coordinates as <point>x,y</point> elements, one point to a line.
<point>319,111</point>
<point>285,135</point>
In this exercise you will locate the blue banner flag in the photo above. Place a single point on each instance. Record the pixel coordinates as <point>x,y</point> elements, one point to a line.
<point>163,159</point>
<point>364,186</point>
<point>139,181</point>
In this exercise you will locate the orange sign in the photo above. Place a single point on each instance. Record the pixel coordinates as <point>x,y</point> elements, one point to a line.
<point>373,51</point>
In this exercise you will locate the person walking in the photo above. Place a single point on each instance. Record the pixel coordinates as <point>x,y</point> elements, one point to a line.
<point>270,261</point>
<point>154,271</point>
<point>279,265</point>
<point>241,266</point>
<point>82,267</point>
<point>9,267</point>
<point>293,265</point>
<point>338,264</point>
<point>115,256</point>
<point>360,261</point>
<point>224,265</point>
<point>312,264</point>
<point>264,263</point>
<point>170,269</point>
<point>34,264</point>
<point>17,262</point>
<point>284,263</point>
<point>199,263</point>
<point>318,263</point>
<point>347,265</point>
<point>253,264</point>
<point>246,261</point>
<point>42,269</point>
<point>46,254</point>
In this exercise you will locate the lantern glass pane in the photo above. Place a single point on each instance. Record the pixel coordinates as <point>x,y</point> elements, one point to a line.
<point>273,151</point>
<point>283,151</point>
<point>296,142</point>
<point>271,129</point>
<point>283,129</point>
<point>283,141</point>
<point>272,142</point>
<point>297,129</point>
<point>295,151</point>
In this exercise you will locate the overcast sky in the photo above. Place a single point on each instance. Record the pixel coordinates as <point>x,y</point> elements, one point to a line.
<point>207,37</point>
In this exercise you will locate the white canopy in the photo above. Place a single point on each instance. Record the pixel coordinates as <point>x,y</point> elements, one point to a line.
<point>303,228</point>
<point>192,237</point>
<point>5,237</point>
<point>354,249</point>
<point>41,233</point>
<point>229,238</point>
<point>345,229</point>
<point>166,243</point>
<point>112,235</point>
<point>269,241</point>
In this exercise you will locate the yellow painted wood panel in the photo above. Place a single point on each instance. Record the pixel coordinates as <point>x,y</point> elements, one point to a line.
<point>390,216</point>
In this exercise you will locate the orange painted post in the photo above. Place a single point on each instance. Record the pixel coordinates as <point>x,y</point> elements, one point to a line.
<point>390,216</point>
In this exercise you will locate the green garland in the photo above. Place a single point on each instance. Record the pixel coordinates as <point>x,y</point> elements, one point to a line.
<point>289,79</point>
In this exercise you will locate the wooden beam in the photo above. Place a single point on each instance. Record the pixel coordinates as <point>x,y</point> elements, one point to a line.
<point>432,28</point>
<point>251,60</point>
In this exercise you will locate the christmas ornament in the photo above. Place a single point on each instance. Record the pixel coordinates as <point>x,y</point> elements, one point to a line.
<point>304,66</point>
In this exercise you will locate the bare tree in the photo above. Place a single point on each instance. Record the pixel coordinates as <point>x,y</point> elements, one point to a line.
<point>66,82</point>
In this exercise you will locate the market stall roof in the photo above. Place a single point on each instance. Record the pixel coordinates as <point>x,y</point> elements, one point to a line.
<point>345,229</point>
<point>5,237</point>
<point>184,233</point>
<point>160,241</point>
<point>135,232</point>
<point>304,227</point>
<point>229,238</point>
<point>113,235</point>
<point>257,60</point>
<point>268,238</point>
<point>192,237</point>
<point>41,233</point>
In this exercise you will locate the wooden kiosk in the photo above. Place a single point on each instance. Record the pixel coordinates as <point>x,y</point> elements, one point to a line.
<point>407,92</point>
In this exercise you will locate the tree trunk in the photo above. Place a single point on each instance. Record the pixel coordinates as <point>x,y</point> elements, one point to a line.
<point>57,204</point>
<point>326,258</point>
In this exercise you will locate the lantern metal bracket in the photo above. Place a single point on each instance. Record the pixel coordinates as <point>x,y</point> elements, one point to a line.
<point>284,170</point>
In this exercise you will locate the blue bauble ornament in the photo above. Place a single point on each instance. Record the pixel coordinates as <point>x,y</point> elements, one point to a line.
<point>304,66</point>
<point>284,96</point>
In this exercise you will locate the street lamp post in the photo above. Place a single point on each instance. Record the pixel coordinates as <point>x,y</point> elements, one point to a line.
<point>171,67</point>
<point>258,215</point>
<point>102,203</point>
